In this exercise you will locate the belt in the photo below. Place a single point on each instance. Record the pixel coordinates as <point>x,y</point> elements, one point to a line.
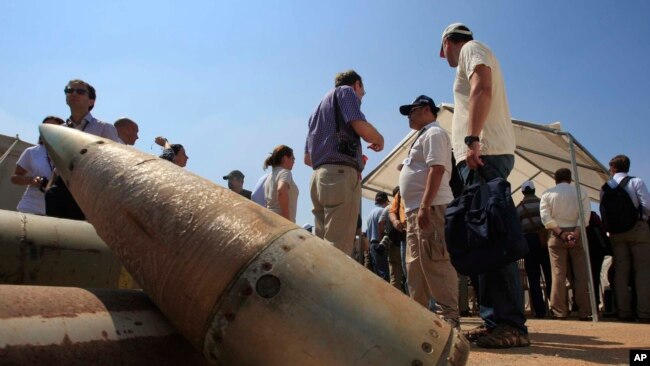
<point>344,163</point>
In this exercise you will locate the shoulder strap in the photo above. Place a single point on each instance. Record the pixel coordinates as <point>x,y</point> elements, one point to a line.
<point>624,181</point>
<point>337,113</point>
<point>527,214</point>
<point>622,184</point>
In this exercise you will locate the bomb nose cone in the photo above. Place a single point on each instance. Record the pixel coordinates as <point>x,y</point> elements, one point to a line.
<point>64,143</point>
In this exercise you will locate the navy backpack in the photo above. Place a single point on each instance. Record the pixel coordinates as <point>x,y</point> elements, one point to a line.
<point>482,229</point>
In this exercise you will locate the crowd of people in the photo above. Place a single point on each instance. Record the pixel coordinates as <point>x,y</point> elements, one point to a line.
<point>406,236</point>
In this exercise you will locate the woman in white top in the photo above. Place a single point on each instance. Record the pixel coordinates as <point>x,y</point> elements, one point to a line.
<point>34,170</point>
<point>280,190</point>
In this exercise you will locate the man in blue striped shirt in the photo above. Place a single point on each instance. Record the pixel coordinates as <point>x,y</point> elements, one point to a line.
<point>333,150</point>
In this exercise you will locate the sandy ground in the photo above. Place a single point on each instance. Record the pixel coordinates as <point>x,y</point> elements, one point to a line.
<point>556,342</point>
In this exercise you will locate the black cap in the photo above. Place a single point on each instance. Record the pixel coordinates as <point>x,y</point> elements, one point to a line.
<point>234,174</point>
<point>421,100</point>
<point>381,197</point>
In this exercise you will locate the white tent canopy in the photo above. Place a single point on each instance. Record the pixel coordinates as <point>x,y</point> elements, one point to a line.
<point>541,150</point>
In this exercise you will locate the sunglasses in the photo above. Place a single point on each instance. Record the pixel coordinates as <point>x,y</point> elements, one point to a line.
<point>79,91</point>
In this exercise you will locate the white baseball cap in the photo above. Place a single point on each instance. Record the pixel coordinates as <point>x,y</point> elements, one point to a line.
<point>527,186</point>
<point>454,28</point>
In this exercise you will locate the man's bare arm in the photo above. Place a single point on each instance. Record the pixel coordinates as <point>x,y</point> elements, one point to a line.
<point>369,134</point>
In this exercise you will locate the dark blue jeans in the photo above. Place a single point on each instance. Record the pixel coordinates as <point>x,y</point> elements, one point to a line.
<point>501,297</point>
<point>380,261</point>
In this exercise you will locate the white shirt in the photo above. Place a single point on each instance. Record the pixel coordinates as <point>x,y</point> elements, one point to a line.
<point>278,175</point>
<point>36,162</point>
<point>497,136</point>
<point>431,148</point>
<point>559,207</point>
<point>637,190</point>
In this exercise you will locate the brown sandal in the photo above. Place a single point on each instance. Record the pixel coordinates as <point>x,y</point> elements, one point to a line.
<point>475,333</point>
<point>504,336</point>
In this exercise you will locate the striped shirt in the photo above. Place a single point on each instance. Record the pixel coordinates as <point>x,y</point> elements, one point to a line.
<point>531,204</point>
<point>322,140</point>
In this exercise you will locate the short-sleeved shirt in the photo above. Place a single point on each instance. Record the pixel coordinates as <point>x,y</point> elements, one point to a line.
<point>96,127</point>
<point>432,147</point>
<point>322,139</point>
<point>279,175</point>
<point>497,136</point>
<point>258,191</point>
<point>36,162</point>
<point>372,225</point>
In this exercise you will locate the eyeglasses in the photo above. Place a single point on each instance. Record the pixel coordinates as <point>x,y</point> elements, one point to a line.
<point>79,91</point>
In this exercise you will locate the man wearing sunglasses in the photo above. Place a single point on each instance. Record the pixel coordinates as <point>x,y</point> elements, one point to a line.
<point>424,186</point>
<point>80,97</point>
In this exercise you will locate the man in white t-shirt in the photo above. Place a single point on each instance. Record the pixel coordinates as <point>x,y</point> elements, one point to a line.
<point>483,138</point>
<point>424,186</point>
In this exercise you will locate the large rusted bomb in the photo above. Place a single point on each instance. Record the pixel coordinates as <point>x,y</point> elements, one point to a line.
<point>72,326</point>
<point>241,283</point>
<point>47,251</point>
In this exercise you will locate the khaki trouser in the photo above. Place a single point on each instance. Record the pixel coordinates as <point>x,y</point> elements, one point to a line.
<point>631,250</point>
<point>336,197</point>
<point>395,265</point>
<point>563,259</point>
<point>430,273</point>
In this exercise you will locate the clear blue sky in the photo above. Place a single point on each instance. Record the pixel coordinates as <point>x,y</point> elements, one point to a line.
<point>230,80</point>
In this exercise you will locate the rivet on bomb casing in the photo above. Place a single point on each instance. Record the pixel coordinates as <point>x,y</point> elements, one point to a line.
<point>426,347</point>
<point>438,323</point>
<point>416,363</point>
<point>83,151</point>
<point>267,266</point>
<point>268,286</point>
<point>247,291</point>
<point>433,333</point>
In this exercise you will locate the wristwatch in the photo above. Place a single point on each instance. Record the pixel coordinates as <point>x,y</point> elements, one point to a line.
<point>470,140</point>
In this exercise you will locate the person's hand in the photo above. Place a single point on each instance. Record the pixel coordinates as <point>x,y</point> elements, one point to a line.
<point>376,147</point>
<point>159,140</point>
<point>36,181</point>
<point>398,226</point>
<point>423,218</point>
<point>473,158</point>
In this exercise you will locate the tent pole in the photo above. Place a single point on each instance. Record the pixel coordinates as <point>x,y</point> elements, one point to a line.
<point>583,231</point>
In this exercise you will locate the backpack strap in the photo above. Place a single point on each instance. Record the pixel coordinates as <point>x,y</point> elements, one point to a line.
<point>622,184</point>
<point>527,214</point>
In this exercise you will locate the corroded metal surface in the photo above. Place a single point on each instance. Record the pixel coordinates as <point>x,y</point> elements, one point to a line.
<point>240,282</point>
<point>39,250</point>
<point>301,302</point>
<point>182,237</point>
<point>73,326</point>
